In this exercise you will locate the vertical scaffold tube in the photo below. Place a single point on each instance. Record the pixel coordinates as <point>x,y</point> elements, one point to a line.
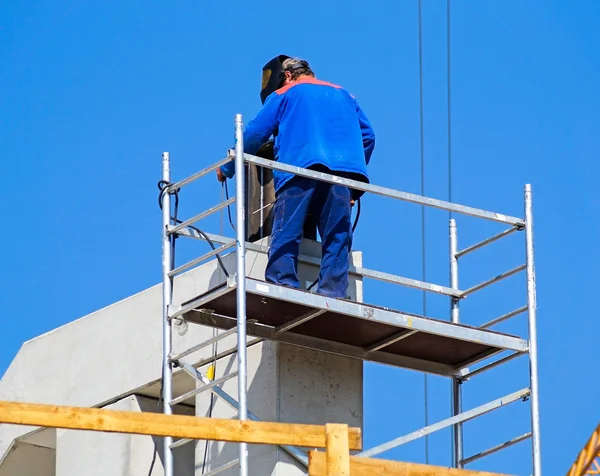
<point>454,314</point>
<point>532,307</point>
<point>167,266</point>
<point>241,283</point>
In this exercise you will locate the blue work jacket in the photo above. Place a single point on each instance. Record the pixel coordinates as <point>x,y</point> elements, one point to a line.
<point>315,123</point>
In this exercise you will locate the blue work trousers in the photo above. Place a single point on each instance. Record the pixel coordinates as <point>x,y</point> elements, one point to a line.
<point>330,206</point>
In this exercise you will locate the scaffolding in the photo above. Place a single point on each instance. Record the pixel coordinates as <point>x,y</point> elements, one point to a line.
<point>251,307</point>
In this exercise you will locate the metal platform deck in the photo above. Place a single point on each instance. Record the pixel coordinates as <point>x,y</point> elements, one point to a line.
<point>350,328</point>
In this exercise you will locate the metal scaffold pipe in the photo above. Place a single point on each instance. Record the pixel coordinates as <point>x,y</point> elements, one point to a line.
<point>454,315</point>
<point>241,283</point>
<point>531,307</point>
<point>167,265</point>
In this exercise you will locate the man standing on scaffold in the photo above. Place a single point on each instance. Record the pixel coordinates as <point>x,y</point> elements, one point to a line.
<point>318,126</point>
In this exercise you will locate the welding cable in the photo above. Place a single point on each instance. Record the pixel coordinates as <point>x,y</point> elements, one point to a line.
<point>162,186</point>
<point>224,185</point>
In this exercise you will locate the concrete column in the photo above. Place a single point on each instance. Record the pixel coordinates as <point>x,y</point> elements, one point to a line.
<point>287,384</point>
<point>99,454</point>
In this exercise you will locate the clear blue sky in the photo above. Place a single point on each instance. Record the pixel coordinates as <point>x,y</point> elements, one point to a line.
<point>93,92</point>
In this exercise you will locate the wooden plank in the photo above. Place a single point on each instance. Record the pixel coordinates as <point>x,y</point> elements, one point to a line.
<point>378,467</point>
<point>338,454</point>
<point>157,424</point>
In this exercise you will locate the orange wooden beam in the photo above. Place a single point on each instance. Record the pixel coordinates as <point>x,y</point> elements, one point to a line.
<point>377,467</point>
<point>157,424</point>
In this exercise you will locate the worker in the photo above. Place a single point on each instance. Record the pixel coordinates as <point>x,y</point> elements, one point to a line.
<point>318,126</point>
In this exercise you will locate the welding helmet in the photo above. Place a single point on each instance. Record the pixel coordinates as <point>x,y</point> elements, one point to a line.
<point>272,76</point>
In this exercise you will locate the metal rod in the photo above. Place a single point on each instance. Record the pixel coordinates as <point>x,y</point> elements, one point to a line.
<point>200,216</point>
<point>388,192</point>
<point>210,254</point>
<point>299,320</point>
<point>497,448</point>
<point>495,279</point>
<point>292,451</point>
<point>462,417</point>
<point>514,313</point>
<point>389,340</point>
<point>457,430</point>
<point>210,341</point>
<point>489,240</point>
<point>408,282</point>
<point>359,271</point>
<point>196,303</point>
<point>180,442</point>
<point>480,370</point>
<point>202,173</point>
<point>199,390</point>
<point>225,353</point>
<point>167,266</point>
<point>241,283</point>
<point>220,469</point>
<point>531,306</point>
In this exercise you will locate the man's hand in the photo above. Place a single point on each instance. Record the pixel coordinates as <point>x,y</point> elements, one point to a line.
<point>351,203</point>
<point>220,176</point>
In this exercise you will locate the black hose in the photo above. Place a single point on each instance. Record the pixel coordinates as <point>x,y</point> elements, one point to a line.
<point>228,209</point>
<point>162,186</point>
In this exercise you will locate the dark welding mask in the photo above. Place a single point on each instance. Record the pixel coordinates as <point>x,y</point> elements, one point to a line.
<point>272,76</point>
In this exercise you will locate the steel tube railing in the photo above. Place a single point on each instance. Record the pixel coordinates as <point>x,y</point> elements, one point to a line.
<point>532,309</point>
<point>167,266</point>
<point>497,448</point>
<point>202,215</point>
<point>504,317</point>
<point>487,241</point>
<point>204,257</point>
<point>495,279</point>
<point>388,192</point>
<point>460,418</point>
<point>177,185</point>
<point>204,344</point>
<point>198,390</point>
<point>357,270</point>
<point>457,430</point>
<point>241,283</point>
<point>489,366</point>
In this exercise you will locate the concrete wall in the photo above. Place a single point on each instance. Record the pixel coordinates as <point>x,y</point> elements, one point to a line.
<point>92,453</point>
<point>115,352</point>
<point>287,384</point>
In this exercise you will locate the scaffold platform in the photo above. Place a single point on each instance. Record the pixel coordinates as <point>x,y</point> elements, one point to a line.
<point>349,328</point>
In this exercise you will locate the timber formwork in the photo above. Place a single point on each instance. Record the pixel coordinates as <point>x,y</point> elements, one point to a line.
<point>337,440</point>
<point>251,307</point>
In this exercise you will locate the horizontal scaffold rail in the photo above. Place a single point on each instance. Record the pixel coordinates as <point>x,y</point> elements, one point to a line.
<point>387,192</point>
<point>460,418</point>
<point>356,270</point>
